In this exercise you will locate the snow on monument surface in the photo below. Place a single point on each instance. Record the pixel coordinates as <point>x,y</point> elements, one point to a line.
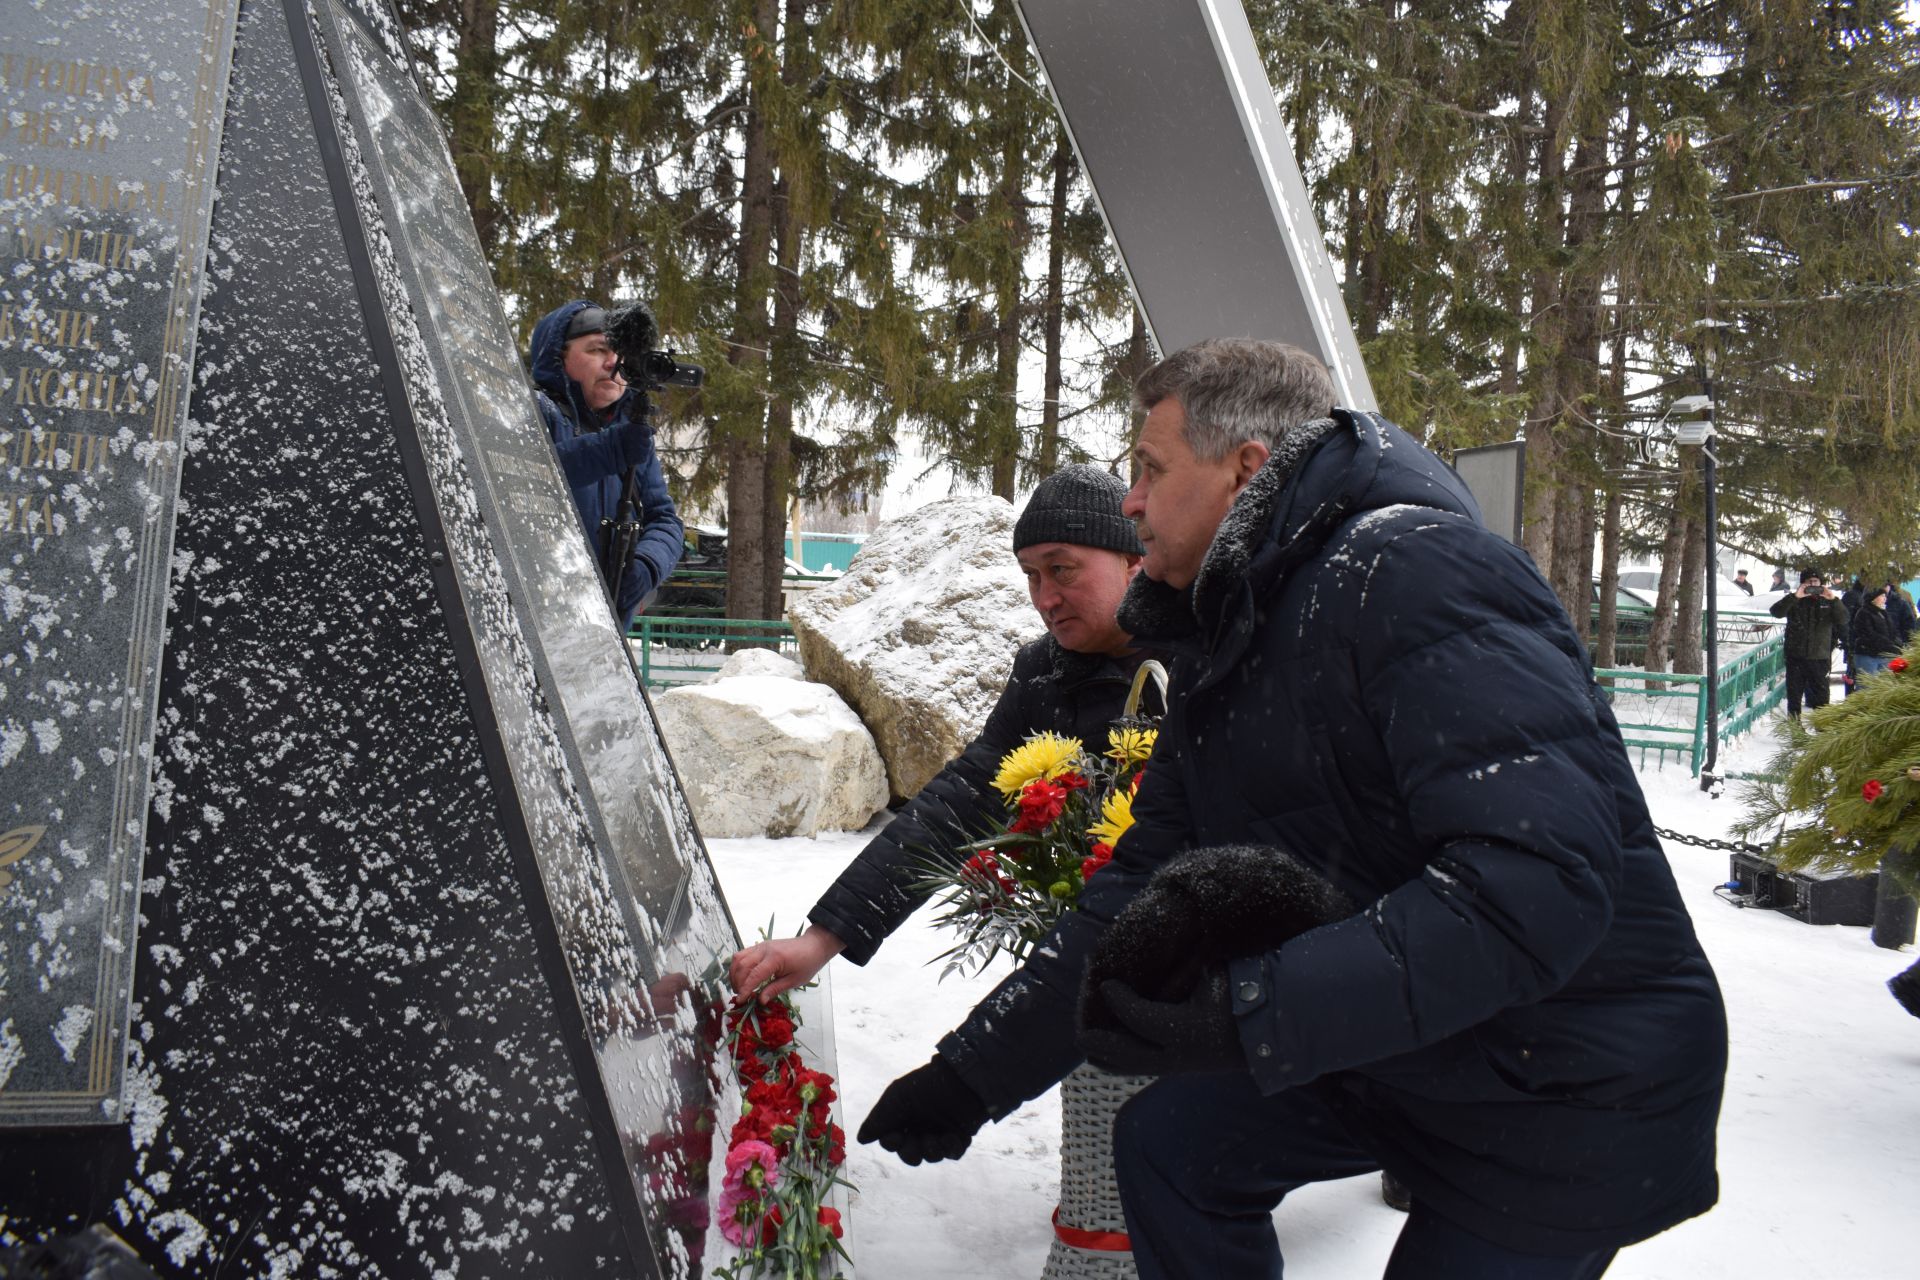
<point>769,755</point>
<point>919,633</point>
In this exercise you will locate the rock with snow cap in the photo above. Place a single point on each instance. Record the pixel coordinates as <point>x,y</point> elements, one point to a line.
<point>770,755</point>
<point>919,633</point>
<point>758,662</point>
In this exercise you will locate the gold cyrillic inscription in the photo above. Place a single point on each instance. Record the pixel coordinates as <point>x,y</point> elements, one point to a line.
<point>84,188</point>
<point>42,328</point>
<point>87,390</point>
<point>111,249</point>
<point>52,129</point>
<point>53,450</point>
<point>77,79</point>
<point>25,513</point>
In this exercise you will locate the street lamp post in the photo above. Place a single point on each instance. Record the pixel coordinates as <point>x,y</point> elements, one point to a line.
<point>1700,431</point>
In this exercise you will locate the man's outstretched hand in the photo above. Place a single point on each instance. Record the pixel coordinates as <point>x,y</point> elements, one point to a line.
<point>781,964</point>
<point>929,1113</point>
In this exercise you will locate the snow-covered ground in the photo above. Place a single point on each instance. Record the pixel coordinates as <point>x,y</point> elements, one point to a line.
<point>1819,1137</point>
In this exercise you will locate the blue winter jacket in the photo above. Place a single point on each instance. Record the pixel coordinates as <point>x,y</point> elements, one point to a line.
<point>596,451</point>
<point>1521,1024</point>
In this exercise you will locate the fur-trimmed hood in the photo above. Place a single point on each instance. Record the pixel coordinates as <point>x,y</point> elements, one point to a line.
<point>1320,475</point>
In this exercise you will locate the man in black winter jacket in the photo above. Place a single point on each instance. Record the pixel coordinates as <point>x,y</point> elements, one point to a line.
<point>1816,621</point>
<point>1520,1024</point>
<point>1078,552</point>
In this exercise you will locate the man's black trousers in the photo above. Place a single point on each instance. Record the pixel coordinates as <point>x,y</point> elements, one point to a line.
<point>1203,1159</point>
<point>1807,682</point>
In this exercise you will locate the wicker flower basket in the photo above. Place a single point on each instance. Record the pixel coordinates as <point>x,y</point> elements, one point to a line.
<point>1089,1232</point>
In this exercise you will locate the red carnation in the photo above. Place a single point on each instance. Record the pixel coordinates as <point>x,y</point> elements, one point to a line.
<point>830,1219</point>
<point>1898,664</point>
<point>1040,803</point>
<point>1872,791</point>
<point>1101,856</point>
<point>776,1097</point>
<point>822,1085</point>
<point>984,868</point>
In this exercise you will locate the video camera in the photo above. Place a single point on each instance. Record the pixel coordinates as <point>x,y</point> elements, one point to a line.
<point>635,337</point>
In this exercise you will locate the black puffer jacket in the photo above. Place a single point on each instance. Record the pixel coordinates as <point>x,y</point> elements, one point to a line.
<point>1873,635</point>
<point>1051,690</point>
<point>1522,1021</point>
<point>1814,625</point>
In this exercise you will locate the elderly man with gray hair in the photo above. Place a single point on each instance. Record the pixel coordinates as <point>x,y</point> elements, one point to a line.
<point>1512,1014</point>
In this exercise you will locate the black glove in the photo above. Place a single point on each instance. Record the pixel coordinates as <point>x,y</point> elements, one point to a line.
<point>1202,909</point>
<point>1141,1037</point>
<point>930,1113</point>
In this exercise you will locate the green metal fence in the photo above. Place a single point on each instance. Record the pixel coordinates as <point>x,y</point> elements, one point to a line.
<point>1666,714</point>
<point>672,651</point>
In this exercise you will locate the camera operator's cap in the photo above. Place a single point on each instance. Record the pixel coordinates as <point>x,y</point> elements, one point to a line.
<point>586,320</point>
<point>1078,504</point>
<point>1808,575</point>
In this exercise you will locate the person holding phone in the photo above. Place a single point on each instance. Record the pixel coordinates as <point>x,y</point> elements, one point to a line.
<point>1815,616</point>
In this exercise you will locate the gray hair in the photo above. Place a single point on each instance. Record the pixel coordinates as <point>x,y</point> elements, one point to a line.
<point>1238,389</point>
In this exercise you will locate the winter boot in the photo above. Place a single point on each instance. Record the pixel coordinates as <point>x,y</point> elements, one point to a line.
<point>1395,1192</point>
<point>1906,988</point>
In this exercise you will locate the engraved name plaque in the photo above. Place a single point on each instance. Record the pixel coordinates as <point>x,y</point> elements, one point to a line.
<point>108,136</point>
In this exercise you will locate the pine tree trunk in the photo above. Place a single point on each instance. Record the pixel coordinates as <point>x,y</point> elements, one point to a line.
<point>1577,379</point>
<point>1054,318</point>
<point>1544,445</point>
<point>746,441</point>
<point>1660,633</point>
<point>1004,413</point>
<point>471,132</point>
<point>1613,451</point>
<point>1688,656</point>
<point>777,472</point>
<point>1607,629</point>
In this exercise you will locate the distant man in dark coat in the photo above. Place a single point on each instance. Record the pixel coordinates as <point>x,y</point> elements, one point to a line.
<point>1520,1024</point>
<point>1899,607</point>
<point>1740,581</point>
<point>1874,642</point>
<point>1816,618</point>
<point>602,430</point>
<point>1078,552</point>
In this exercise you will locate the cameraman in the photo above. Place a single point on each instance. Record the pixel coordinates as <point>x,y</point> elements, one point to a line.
<point>600,427</point>
<point>1815,617</point>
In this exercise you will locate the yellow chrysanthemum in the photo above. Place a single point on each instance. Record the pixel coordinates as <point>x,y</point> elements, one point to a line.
<point>1044,755</point>
<point>1116,815</point>
<point>1130,746</point>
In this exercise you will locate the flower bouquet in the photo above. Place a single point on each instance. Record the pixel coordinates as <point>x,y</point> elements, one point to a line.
<point>782,1155</point>
<point>1067,807</point>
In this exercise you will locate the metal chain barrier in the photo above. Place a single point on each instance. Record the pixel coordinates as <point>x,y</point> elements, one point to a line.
<point>1706,842</point>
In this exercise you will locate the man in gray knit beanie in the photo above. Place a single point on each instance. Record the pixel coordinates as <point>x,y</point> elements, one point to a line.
<point>1078,552</point>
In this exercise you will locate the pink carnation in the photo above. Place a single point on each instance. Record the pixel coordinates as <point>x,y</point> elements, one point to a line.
<point>742,1187</point>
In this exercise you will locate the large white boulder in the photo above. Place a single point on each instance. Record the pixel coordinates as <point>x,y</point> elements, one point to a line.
<point>758,662</point>
<point>769,755</point>
<point>919,633</point>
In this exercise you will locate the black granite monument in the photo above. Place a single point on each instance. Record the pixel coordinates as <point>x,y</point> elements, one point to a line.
<point>352,921</point>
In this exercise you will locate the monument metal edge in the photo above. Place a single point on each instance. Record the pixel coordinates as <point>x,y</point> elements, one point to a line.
<point>516,823</point>
<point>1234,65</point>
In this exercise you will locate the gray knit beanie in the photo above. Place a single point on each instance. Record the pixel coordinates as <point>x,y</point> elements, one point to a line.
<point>1081,505</point>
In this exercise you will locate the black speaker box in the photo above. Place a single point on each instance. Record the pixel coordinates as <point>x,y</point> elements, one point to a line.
<point>1815,897</point>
